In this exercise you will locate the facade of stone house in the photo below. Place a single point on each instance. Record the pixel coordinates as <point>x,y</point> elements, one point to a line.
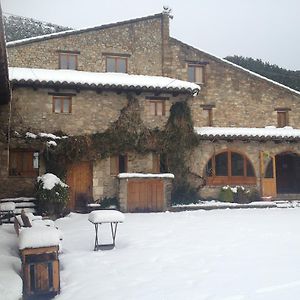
<point>230,97</point>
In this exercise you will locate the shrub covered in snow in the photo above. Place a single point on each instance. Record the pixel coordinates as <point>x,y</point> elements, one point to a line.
<point>238,194</point>
<point>52,194</point>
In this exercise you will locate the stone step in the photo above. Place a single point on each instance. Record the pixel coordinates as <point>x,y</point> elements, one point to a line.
<point>287,197</point>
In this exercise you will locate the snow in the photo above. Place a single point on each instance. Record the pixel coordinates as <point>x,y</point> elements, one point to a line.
<point>145,175</point>
<point>106,216</point>
<point>51,143</point>
<point>101,79</point>
<point>7,206</point>
<point>250,254</point>
<point>38,236</point>
<point>18,199</point>
<point>267,132</point>
<point>10,264</point>
<point>30,135</point>
<point>50,180</point>
<point>49,135</point>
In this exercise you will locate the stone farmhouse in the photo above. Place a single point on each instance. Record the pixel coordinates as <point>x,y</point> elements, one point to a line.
<point>73,84</point>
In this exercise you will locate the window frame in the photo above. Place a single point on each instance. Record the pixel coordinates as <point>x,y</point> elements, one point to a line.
<point>155,103</point>
<point>230,179</point>
<point>116,59</point>
<point>194,66</point>
<point>115,164</point>
<point>61,98</point>
<point>282,118</point>
<point>20,171</point>
<point>67,55</point>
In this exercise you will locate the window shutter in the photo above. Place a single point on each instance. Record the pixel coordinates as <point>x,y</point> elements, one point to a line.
<point>156,163</point>
<point>114,165</point>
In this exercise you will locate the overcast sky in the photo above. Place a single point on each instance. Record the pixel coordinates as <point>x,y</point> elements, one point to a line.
<point>266,29</point>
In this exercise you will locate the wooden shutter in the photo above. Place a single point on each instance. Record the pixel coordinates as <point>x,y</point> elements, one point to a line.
<point>155,163</point>
<point>114,165</point>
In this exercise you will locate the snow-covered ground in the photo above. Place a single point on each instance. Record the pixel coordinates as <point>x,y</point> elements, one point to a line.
<point>219,254</point>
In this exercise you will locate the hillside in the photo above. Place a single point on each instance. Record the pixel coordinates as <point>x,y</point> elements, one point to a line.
<point>281,75</point>
<point>17,27</point>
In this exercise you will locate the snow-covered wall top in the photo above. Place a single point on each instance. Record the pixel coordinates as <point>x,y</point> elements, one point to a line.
<point>38,236</point>
<point>100,80</point>
<point>145,175</point>
<point>270,132</point>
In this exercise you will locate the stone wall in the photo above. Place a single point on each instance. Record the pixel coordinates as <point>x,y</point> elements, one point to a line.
<point>140,40</point>
<point>251,150</point>
<point>91,111</point>
<point>240,99</point>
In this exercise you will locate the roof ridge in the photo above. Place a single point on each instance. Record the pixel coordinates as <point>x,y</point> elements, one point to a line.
<point>81,30</point>
<point>240,67</point>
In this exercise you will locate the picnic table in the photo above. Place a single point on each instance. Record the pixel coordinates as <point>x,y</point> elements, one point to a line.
<point>7,211</point>
<point>98,217</point>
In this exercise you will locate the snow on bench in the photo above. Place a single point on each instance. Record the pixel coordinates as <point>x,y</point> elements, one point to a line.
<point>7,206</point>
<point>38,237</point>
<point>106,216</point>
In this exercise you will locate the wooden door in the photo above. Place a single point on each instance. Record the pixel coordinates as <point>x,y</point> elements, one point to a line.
<point>79,179</point>
<point>268,175</point>
<point>145,195</point>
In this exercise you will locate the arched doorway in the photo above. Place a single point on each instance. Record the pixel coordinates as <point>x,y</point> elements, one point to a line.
<point>288,173</point>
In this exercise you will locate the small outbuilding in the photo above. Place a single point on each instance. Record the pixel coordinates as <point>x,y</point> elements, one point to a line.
<point>140,192</point>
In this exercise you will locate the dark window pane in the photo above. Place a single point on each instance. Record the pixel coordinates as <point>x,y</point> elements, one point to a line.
<point>63,61</point>
<point>122,65</point>
<point>237,164</point>
<point>122,163</point>
<point>163,163</point>
<point>208,169</point>
<point>72,62</point>
<point>250,170</point>
<point>222,164</point>
<point>191,74</point>
<point>269,170</point>
<point>110,64</point>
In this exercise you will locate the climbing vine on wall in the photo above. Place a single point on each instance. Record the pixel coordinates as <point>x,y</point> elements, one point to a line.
<point>129,134</point>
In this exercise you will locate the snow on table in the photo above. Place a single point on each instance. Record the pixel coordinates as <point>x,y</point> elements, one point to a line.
<point>106,216</point>
<point>7,206</point>
<point>38,236</point>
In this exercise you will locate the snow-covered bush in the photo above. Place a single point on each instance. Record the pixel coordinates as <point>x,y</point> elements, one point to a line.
<point>52,194</point>
<point>238,194</point>
<point>226,194</point>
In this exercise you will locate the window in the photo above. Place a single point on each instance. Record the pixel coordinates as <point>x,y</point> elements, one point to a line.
<point>209,110</point>
<point>116,64</point>
<point>157,108</point>
<point>160,163</point>
<point>68,61</point>
<point>282,118</point>
<point>62,104</point>
<point>229,168</point>
<point>118,164</point>
<point>196,73</point>
<point>23,163</point>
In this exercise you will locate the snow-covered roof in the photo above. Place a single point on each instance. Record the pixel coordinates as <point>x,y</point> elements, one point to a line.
<point>146,175</point>
<point>77,31</point>
<point>269,132</point>
<point>100,80</point>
